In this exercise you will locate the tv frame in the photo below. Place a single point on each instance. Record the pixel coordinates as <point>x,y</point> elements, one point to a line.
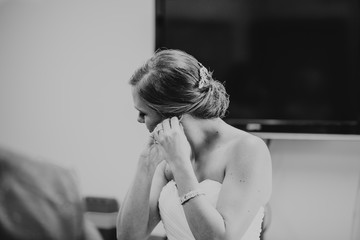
<point>260,125</point>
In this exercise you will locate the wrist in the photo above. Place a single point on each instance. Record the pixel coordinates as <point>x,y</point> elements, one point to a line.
<point>146,166</point>
<point>185,178</point>
<point>190,195</point>
<point>180,163</point>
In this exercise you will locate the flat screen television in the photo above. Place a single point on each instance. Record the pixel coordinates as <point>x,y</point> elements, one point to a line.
<point>289,66</point>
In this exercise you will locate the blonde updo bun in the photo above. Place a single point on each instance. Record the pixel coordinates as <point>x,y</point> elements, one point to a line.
<point>173,83</point>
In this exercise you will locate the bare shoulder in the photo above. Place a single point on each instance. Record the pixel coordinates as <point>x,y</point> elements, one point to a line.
<point>249,162</point>
<point>245,146</point>
<point>241,143</point>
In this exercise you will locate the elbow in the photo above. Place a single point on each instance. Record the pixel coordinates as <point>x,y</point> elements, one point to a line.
<point>120,235</point>
<point>128,233</point>
<point>129,230</point>
<point>122,232</point>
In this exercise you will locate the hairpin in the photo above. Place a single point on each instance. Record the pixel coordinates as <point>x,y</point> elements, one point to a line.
<point>204,77</point>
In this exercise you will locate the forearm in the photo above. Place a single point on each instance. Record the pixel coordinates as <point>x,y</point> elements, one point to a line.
<point>203,218</point>
<point>133,217</point>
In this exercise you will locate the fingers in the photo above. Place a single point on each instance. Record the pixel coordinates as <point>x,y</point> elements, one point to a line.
<point>151,140</point>
<point>175,123</point>
<point>156,132</point>
<point>166,126</point>
<point>158,128</point>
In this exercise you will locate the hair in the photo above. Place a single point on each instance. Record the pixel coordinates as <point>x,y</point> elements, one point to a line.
<point>169,83</point>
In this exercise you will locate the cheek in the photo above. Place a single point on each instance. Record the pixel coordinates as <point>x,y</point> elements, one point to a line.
<point>149,126</point>
<point>151,123</point>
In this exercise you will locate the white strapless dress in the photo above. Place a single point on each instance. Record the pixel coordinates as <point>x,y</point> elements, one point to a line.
<point>174,219</point>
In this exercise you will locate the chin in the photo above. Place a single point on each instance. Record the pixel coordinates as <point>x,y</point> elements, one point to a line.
<point>150,129</point>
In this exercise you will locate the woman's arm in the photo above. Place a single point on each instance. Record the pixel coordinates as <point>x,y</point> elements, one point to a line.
<point>204,220</point>
<point>246,187</point>
<point>139,214</point>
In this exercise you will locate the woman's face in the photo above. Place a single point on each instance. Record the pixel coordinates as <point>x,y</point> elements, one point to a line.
<point>146,114</point>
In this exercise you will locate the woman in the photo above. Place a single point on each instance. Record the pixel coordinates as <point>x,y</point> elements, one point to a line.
<point>203,178</point>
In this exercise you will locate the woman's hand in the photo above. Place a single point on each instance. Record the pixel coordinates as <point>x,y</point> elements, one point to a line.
<point>169,134</point>
<point>153,154</point>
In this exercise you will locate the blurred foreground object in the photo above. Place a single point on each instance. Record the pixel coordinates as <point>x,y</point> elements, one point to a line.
<point>102,212</point>
<point>39,200</point>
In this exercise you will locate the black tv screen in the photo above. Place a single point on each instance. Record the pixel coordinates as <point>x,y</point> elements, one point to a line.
<point>289,66</point>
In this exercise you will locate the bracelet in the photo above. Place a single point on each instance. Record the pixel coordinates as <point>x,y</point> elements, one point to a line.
<point>190,195</point>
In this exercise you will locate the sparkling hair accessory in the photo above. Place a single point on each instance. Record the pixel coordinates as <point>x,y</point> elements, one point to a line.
<point>204,77</point>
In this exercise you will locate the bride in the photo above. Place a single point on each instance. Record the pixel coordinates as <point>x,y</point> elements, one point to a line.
<point>203,178</point>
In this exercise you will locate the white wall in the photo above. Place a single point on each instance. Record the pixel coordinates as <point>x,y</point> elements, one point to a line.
<point>314,189</point>
<point>64,93</point>
<point>64,67</point>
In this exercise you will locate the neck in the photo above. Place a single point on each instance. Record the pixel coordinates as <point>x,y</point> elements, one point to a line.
<point>202,133</point>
